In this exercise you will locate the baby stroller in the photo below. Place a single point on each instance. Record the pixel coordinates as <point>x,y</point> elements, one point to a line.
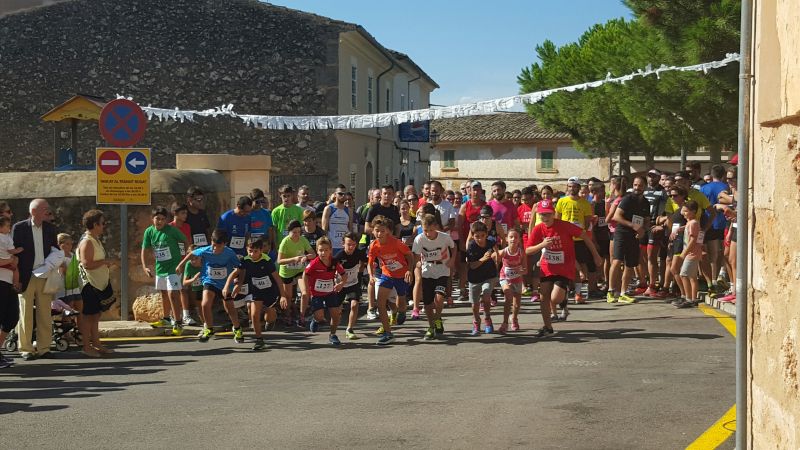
<point>62,329</point>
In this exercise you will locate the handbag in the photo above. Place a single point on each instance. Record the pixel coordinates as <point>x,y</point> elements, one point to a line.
<point>53,283</point>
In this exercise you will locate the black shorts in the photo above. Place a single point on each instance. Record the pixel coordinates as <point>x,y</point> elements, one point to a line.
<point>352,292</point>
<point>266,302</point>
<point>735,231</point>
<point>714,235</point>
<point>646,238</point>
<point>584,256</point>
<point>626,249</point>
<point>9,307</point>
<point>215,290</point>
<point>533,264</point>
<point>291,280</point>
<point>602,247</point>
<point>431,287</point>
<point>95,300</point>
<point>558,280</point>
<point>329,301</point>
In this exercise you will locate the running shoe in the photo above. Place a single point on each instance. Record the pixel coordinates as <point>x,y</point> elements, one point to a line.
<point>535,297</point>
<point>415,314</point>
<point>401,318</point>
<point>429,334</point>
<point>562,316</point>
<point>659,294</point>
<point>189,322</point>
<point>625,298</point>
<point>527,292</point>
<point>579,299</point>
<point>206,334</point>
<point>543,332</point>
<point>684,304</point>
<point>438,326</point>
<point>177,329</point>
<point>313,326</point>
<point>503,328</point>
<point>392,319</point>
<point>728,298</point>
<point>380,331</point>
<point>350,334</point>
<point>334,340</point>
<point>372,314</point>
<point>515,325</point>
<point>259,344</point>
<point>386,339</point>
<point>300,323</point>
<point>475,329</point>
<point>596,295</point>
<point>554,317</point>
<point>488,327</point>
<point>677,301</point>
<point>640,290</point>
<point>161,323</point>
<point>649,292</point>
<point>238,336</point>
<point>611,298</point>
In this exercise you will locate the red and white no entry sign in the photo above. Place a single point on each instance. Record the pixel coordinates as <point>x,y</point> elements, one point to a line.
<point>109,163</point>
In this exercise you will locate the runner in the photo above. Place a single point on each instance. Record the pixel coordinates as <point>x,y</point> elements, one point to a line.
<point>319,280</point>
<point>677,225</point>
<point>386,209</point>
<point>469,213</point>
<point>631,219</point>
<point>196,216</point>
<point>179,213</point>
<point>163,239</point>
<point>304,198</point>
<point>691,254</point>
<point>192,281</point>
<point>554,238</point>
<point>505,212</point>
<point>600,233</point>
<point>337,219</point>
<point>576,210</point>
<point>257,279</point>
<point>654,237</point>
<point>261,223</point>
<point>236,225</point>
<point>435,251</point>
<point>285,213</point>
<point>482,275</point>
<point>448,215</point>
<point>293,256</point>
<point>353,260</point>
<point>513,267</point>
<point>396,261</point>
<point>311,231</point>
<point>714,235</point>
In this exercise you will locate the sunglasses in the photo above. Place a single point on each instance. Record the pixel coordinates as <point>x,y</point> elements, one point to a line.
<point>198,198</point>
<point>341,193</point>
<point>218,241</point>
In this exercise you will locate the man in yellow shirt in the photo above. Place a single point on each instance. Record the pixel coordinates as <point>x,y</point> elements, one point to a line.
<point>578,211</point>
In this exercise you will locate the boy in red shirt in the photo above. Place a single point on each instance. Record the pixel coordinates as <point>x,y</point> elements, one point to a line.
<point>319,278</point>
<point>396,261</point>
<point>554,238</point>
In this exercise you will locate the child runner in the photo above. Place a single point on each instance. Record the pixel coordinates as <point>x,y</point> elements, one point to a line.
<point>435,250</point>
<point>163,239</point>
<point>396,261</point>
<point>481,275</point>
<point>319,278</point>
<point>191,278</point>
<point>179,214</point>
<point>259,274</point>
<point>310,229</point>
<point>691,254</point>
<point>293,256</point>
<point>218,262</point>
<point>553,237</point>
<point>513,268</point>
<point>353,261</point>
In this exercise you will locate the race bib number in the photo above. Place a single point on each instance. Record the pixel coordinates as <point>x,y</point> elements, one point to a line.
<point>295,266</point>
<point>218,273</point>
<point>432,255</point>
<point>197,282</point>
<point>526,217</point>
<point>504,226</point>
<point>734,225</point>
<point>162,254</point>
<point>237,242</point>
<point>182,248</point>
<point>338,236</point>
<point>637,220</point>
<point>512,272</point>
<point>262,282</point>
<point>601,222</point>
<point>244,289</point>
<point>352,276</point>
<point>675,228</point>
<point>701,236</point>
<point>324,286</point>
<point>393,265</point>
<point>553,257</point>
<point>199,239</point>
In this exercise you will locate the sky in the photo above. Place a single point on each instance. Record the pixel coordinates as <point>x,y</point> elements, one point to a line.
<point>474,49</point>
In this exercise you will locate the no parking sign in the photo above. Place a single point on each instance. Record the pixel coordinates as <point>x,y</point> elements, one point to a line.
<point>122,123</point>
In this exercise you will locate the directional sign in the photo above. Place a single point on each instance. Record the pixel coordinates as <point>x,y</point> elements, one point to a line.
<point>123,184</point>
<point>122,123</point>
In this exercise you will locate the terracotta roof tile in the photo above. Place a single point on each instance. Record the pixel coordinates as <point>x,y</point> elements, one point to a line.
<point>513,126</point>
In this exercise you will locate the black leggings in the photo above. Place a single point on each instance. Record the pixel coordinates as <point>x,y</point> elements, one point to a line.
<point>9,307</point>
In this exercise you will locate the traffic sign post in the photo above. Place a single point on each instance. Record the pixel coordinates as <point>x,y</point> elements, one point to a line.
<point>123,176</point>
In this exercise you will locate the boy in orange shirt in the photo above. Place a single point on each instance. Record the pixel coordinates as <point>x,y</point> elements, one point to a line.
<point>396,261</point>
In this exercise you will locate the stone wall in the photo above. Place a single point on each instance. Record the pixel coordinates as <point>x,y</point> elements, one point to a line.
<point>774,312</point>
<point>191,54</point>
<point>71,194</point>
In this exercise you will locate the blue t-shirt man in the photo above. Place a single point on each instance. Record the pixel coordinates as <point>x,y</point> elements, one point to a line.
<point>237,227</point>
<point>712,191</point>
<point>216,266</point>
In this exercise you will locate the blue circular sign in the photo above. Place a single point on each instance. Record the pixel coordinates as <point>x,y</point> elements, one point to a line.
<point>122,123</point>
<point>136,163</point>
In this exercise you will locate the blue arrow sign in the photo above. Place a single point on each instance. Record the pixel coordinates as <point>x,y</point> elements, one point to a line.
<point>136,163</point>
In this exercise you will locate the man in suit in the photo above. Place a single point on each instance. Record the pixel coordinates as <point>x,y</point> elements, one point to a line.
<point>37,237</point>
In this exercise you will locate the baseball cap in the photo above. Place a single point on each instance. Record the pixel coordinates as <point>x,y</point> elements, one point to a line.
<point>654,172</point>
<point>476,184</point>
<point>574,180</point>
<point>545,207</point>
<point>682,174</point>
<point>487,210</point>
<point>734,160</point>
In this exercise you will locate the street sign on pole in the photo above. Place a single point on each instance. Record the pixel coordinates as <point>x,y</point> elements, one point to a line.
<point>123,176</point>
<point>122,123</point>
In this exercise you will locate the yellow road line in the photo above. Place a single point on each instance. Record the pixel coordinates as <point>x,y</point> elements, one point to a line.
<point>158,338</point>
<point>718,433</point>
<point>722,429</point>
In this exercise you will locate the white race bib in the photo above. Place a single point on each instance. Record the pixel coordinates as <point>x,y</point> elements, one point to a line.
<point>637,220</point>
<point>393,265</point>
<point>162,254</point>
<point>296,266</point>
<point>432,255</point>
<point>526,217</point>
<point>352,276</point>
<point>734,225</point>
<point>182,248</point>
<point>199,239</point>
<point>701,236</point>
<point>512,272</point>
<point>262,282</point>
<point>601,222</point>
<point>338,236</point>
<point>217,273</point>
<point>324,286</point>
<point>237,242</point>
<point>244,290</point>
<point>675,228</point>
<point>552,257</point>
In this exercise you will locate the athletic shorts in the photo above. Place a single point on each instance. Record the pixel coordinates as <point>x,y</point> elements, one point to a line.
<point>398,284</point>
<point>291,280</point>
<point>214,290</point>
<point>584,256</point>
<point>558,280</point>
<point>646,238</point>
<point>329,301</point>
<point>714,235</point>
<point>690,268</point>
<point>533,264</point>
<point>626,249</point>
<point>266,303</point>
<point>516,286</point>
<point>735,231</point>
<point>352,293</point>
<point>479,290</point>
<point>432,287</point>
<point>171,282</point>
<point>603,246</point>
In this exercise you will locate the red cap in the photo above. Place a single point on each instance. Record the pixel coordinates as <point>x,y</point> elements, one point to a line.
<point>735,159</point>
<point>545,207</point>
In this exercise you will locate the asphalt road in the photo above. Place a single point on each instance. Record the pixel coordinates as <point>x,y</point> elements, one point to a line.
<point>614,376</point>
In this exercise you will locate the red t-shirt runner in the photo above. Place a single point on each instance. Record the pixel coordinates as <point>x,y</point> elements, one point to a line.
<point>525,214</point>
<point>559,259</point>
<point>320,278</point>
